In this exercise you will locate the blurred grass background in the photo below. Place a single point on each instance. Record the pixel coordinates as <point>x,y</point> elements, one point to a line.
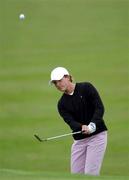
<point>88,37</point>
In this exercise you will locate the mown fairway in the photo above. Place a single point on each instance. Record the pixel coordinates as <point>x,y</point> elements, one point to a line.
<point>23,175</point>
<point>90,38</point>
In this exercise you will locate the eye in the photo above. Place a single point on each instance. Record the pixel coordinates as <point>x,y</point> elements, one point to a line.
<point>54,82</point>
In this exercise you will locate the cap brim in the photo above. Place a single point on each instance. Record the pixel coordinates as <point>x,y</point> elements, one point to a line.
<point>51,81</point>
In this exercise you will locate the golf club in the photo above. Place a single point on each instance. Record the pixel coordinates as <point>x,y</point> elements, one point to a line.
<point>55,137</point>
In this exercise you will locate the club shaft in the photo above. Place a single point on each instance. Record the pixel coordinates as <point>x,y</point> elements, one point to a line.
<point>63,135</point>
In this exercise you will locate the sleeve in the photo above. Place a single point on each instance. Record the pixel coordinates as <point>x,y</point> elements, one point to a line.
<point>68,118</point>
<point>97,104</point>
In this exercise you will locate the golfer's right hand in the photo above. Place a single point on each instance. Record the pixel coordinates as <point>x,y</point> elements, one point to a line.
<point>85,129</point>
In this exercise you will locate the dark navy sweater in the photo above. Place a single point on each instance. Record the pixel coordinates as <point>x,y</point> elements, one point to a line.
<point>81,108</point>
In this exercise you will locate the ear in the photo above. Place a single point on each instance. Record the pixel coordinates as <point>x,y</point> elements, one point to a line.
<point>70,78</point>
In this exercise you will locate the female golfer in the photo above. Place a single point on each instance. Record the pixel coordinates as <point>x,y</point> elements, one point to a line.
<point>82,109</point>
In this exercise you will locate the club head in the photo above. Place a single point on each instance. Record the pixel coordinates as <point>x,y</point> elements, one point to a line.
<point>39,139</point>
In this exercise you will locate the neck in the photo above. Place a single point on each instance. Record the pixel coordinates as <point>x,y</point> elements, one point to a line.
<point>70,88</point>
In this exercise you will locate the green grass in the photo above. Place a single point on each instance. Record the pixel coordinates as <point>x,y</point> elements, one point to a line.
<point>90,38</point>
<point>23,175</point>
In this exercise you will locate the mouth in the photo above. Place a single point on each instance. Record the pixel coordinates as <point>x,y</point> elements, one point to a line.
<point>61,89</point>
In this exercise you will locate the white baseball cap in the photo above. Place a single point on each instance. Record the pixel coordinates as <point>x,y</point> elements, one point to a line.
<point>58,73</point>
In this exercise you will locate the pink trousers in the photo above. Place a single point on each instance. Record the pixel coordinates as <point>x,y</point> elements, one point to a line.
<point>87,154</point>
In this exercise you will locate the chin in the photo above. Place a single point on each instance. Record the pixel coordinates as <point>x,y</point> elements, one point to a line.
<point>62,89</point>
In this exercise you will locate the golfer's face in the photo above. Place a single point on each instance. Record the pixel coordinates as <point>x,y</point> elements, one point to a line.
<point>62,84</point>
